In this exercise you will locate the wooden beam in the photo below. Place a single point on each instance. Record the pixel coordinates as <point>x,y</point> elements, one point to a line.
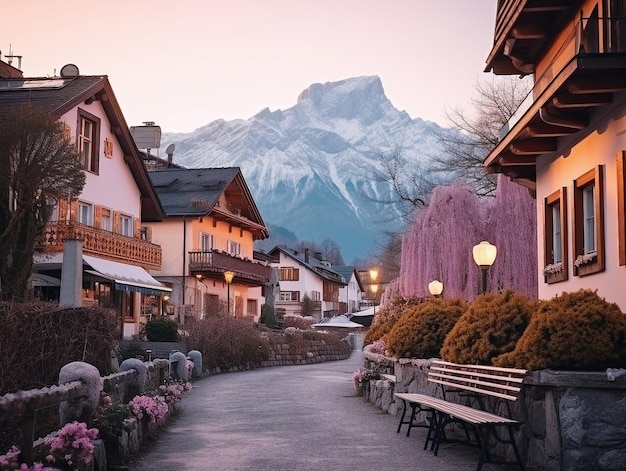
<point>566,121</point>
<point>547,130</point>
<point>604,84</point>
<point>535,146</point>
<point>568,100</point>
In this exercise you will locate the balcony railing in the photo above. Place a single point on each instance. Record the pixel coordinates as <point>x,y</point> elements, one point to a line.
<point>214,264</point>
<point>589,36</point>
<point>103,243</point>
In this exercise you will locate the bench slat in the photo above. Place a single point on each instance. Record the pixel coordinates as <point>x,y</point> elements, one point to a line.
<point>477,374</point>
<point>462,382</point>
<point>484,367</point>
<point>473,389</point>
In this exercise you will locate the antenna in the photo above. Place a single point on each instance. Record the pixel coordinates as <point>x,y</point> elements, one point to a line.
<point>10,58</point>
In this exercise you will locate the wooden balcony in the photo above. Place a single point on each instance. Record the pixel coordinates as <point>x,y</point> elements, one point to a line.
<point>213,264</point>
<point>103,243</point>
<point>564,98</point>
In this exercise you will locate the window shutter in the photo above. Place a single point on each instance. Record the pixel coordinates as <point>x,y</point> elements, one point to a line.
<point>296,275</point>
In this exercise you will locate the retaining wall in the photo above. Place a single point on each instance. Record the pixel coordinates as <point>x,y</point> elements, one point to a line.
<point>573,421</point>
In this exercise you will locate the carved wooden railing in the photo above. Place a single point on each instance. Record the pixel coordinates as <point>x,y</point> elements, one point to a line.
<point>104,243</point>
<point>216,263</point>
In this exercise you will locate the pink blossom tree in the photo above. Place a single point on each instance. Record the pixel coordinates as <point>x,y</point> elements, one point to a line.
<point>439,243</point>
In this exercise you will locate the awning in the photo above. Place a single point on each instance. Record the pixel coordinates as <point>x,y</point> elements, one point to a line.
<point>126,277</point>
<point>39,279</point>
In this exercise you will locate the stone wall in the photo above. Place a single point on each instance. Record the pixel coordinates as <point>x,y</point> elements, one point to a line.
<point>314,351</point>
<point>573,421</point>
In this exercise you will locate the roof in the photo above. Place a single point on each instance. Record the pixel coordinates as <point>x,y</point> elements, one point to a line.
<point>311,263</point>
<point>196,192</point>
<point>58,95</point>
<point>347,271</point>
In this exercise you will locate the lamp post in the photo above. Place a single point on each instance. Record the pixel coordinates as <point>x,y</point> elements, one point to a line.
<point>435,288</point>
<point>484,256</point>
<point>228,276</point>
<point>374,291</point>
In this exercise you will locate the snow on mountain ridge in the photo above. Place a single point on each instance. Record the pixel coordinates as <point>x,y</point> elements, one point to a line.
<point>310,167</point>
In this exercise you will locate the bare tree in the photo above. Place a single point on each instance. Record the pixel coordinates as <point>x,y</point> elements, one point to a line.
<point>37,164</point>
<point>410,185</point>
<point>494,104</point>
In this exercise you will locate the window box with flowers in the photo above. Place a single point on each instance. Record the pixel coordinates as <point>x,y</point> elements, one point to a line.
<point>555,272</point>
<point>586,264</point>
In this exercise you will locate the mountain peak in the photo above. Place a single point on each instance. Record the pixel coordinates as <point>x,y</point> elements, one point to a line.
<point>357,97</point>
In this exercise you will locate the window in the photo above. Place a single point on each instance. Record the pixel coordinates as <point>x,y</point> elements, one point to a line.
<point>105,220</point>
<point>126,225</point>
<point>315,296</point>
<point>206,242</point>
<point>234,248</point>
<point>589,223</point>
<point>555,237</point>
<point>289,274</point>
<point>85,213</point>
<point>621,205</point>
<point>290,295</point>
<point>88,137</point>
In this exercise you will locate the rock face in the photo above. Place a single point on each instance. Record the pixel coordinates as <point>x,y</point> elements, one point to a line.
<point>312,169</point>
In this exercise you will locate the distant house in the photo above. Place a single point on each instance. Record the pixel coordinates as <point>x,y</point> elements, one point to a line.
<point>305,276</point>
<point>350,296</point>
<point>95,250</point>
<point>208,232</point>
<point>566,143</point>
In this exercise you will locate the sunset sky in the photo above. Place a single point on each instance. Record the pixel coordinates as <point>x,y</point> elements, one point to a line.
<point>184,64</point>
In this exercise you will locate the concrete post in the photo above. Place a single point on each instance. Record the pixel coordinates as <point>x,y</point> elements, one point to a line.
<point>82,408</point>
<point>72,274</point>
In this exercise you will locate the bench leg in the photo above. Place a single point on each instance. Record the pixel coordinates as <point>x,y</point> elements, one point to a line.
<point>402,422</point>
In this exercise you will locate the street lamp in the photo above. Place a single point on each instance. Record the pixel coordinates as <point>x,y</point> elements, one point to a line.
<point>374,289</point>
<point>435,288</point>
<point>484,256</point>
<point>228,276</point>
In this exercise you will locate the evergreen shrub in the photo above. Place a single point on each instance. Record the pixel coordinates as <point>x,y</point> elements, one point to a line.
<point>421,330</point>
<point>574,331</point>
<point>387,316</point>
<point>492,325</point>
<point>162,329</point>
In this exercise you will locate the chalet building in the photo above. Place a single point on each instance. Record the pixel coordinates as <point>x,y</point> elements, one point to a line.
<point>301,274</point>
<point>350,296</point>
<point>567,142</point>
<point>95,250</point>
<point>208,232</point>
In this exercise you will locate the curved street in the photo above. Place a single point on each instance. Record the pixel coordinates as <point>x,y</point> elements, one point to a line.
<point>291,418</point>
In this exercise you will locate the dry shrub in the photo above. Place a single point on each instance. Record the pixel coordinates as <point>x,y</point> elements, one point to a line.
<point>421,330</point>
<point>491,326</point>
<point>227,343</point>
<point>37,339</point>
<point>386,317</point>
<point>299,322</point>
<point>574,331</point>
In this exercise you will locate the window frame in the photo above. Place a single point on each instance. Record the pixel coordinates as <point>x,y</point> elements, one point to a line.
<point>233,248</point>
<point>621,205</point>
<point>294,296</point>
<point>94,157</point>
<point>124,229</point>
<point>90,213</point>
<point>289,274</point>
<point>559,198</point>
<point>206,236</point>
<point>592,177</point>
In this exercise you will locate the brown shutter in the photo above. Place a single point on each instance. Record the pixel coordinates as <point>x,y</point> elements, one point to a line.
<point>97,216</point>
<point>296,274</point>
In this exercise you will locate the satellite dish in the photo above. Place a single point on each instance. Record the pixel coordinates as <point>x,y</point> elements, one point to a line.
<point>69,70</point>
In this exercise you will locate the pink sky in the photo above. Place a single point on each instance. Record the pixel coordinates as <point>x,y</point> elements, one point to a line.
<point>184,64</point>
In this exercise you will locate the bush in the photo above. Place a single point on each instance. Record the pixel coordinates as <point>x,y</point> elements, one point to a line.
<point>162,329</point>
<point>491,326</point>
<point>421,330</point>
<point>299,322</point>
<point>386,317</point>
<point>227,343</point>
<point>574,331</point>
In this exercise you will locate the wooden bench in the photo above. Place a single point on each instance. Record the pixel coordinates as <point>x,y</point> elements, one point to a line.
<point>476,382</point>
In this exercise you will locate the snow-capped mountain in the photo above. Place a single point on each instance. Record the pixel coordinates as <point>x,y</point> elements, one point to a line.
<point>310,168</point>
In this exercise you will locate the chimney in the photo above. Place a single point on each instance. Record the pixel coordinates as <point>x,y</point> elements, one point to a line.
<point>306,255</point>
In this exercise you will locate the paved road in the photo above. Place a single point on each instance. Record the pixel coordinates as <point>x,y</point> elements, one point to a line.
<point>291,418</point>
